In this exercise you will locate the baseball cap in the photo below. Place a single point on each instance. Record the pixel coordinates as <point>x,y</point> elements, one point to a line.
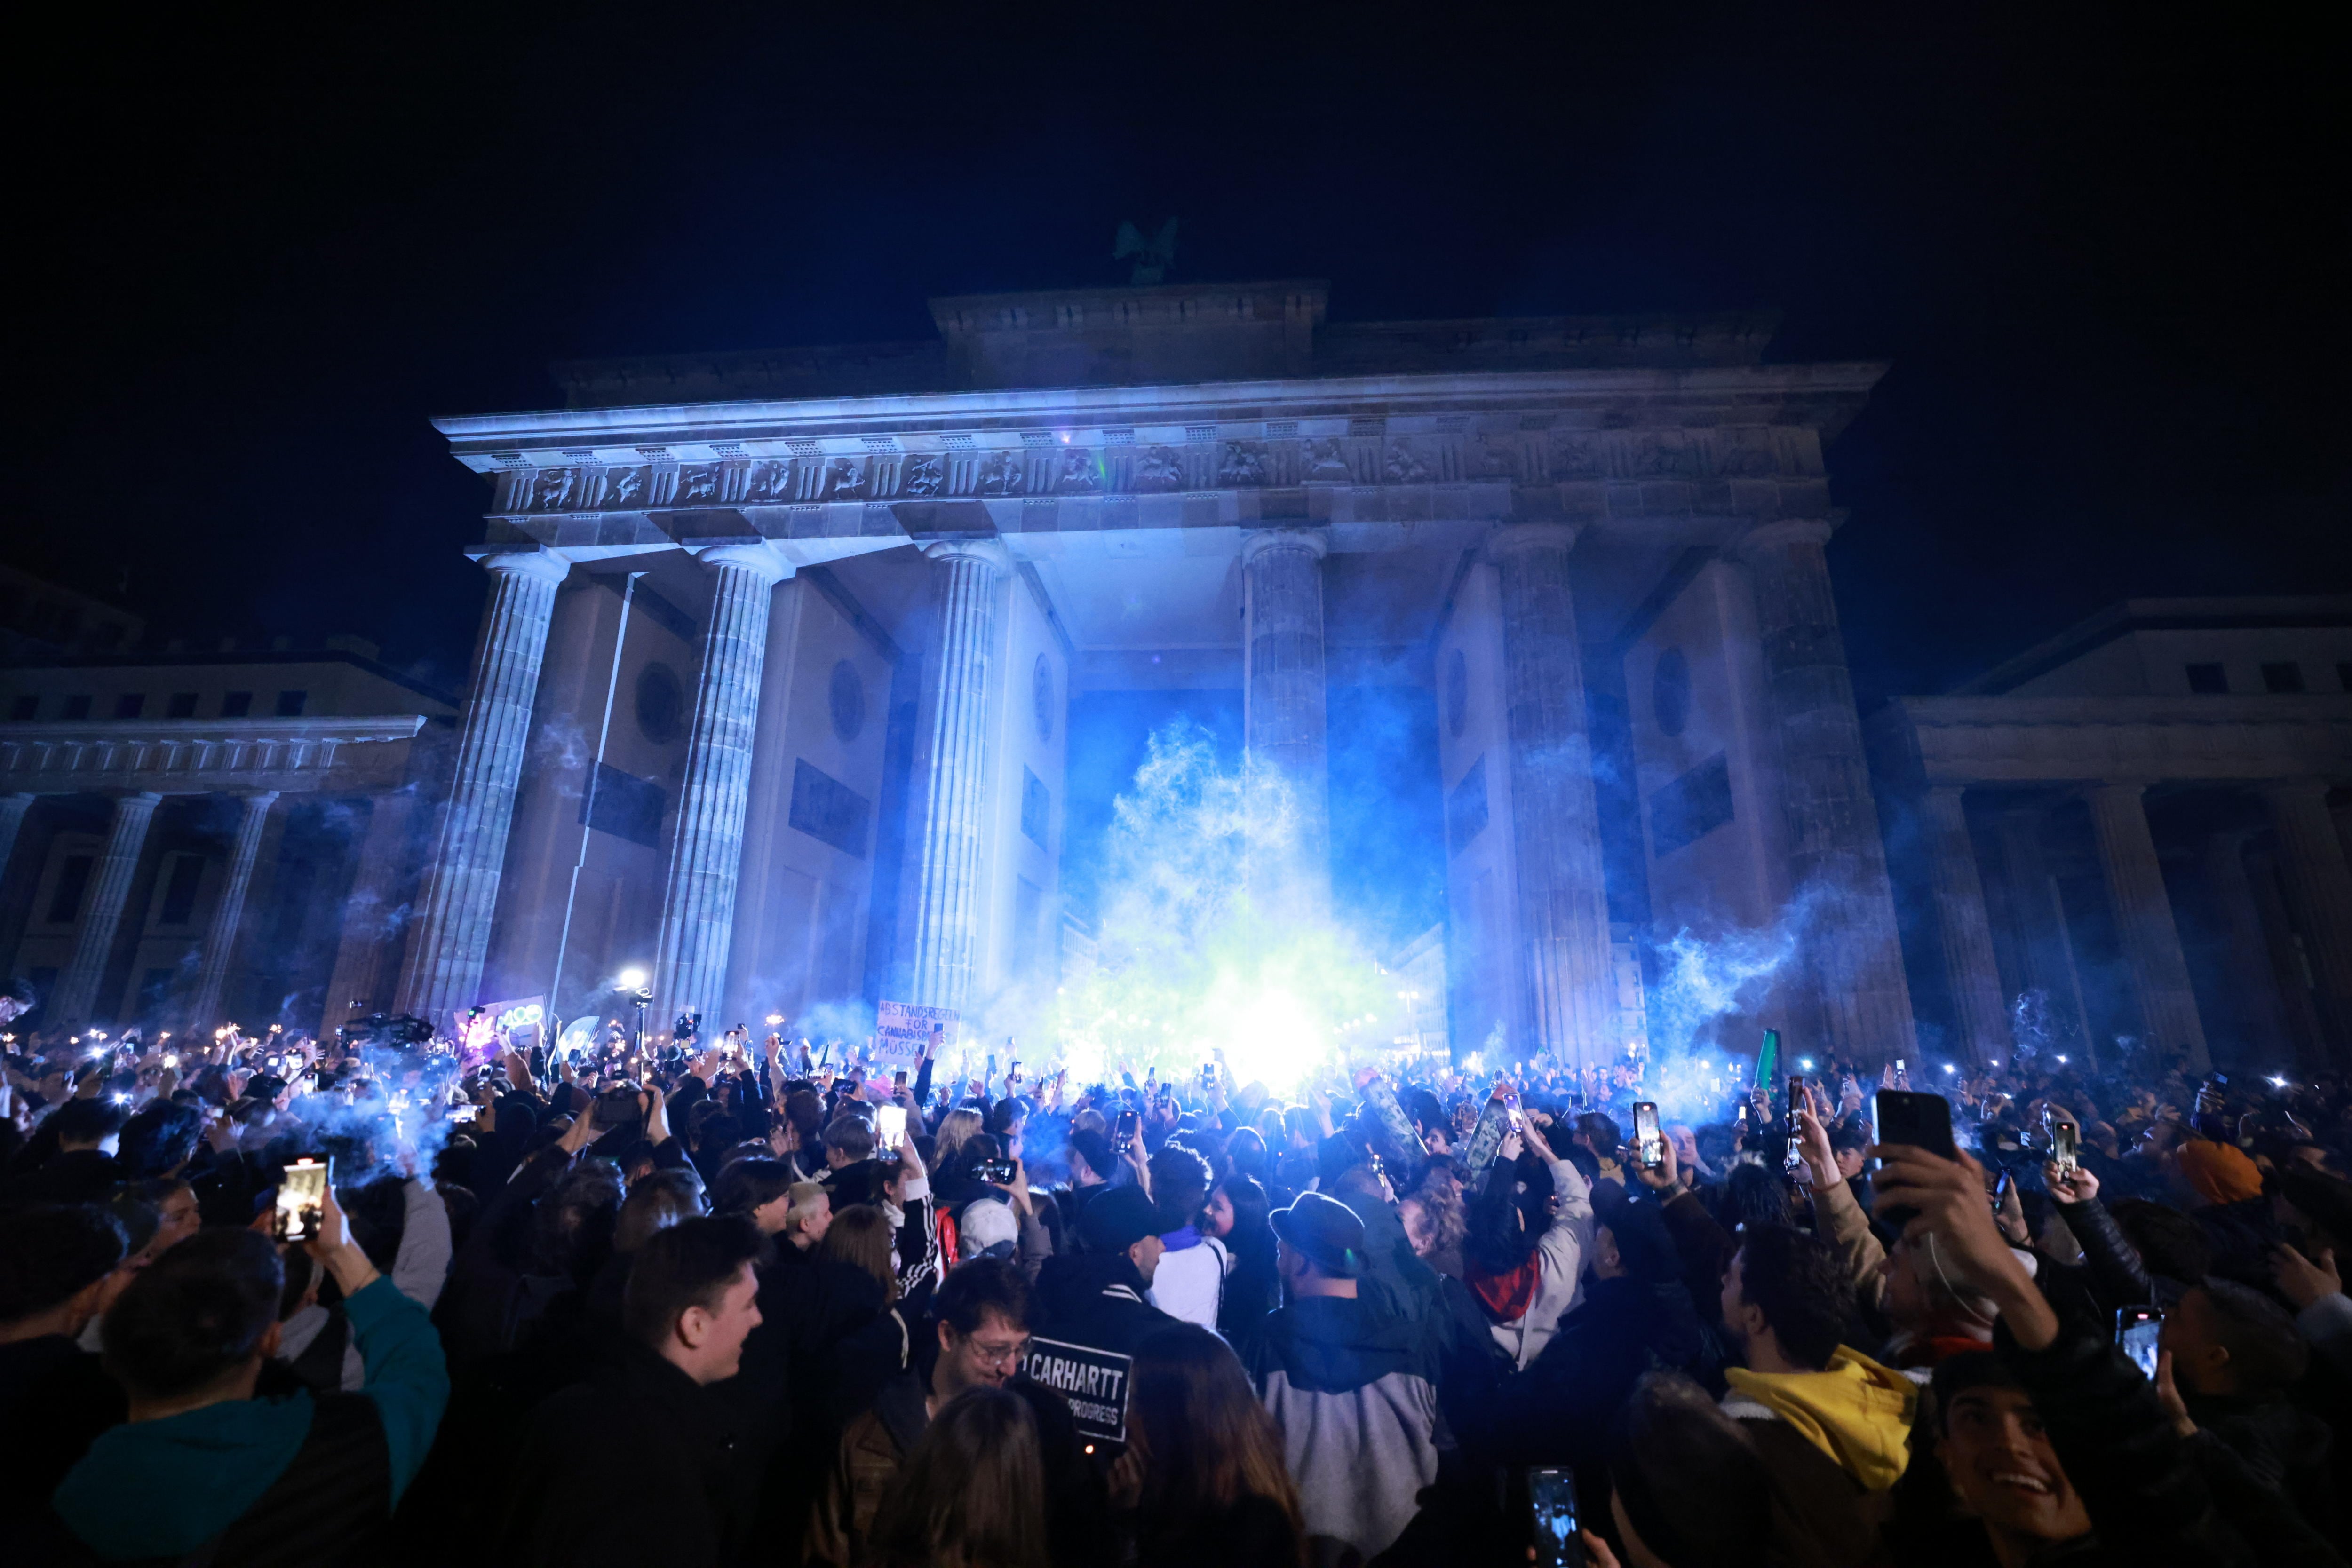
<point>1118,1221</point>
<point>986,1230</point>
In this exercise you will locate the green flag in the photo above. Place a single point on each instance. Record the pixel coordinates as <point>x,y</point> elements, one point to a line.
<point>1768,1060</point>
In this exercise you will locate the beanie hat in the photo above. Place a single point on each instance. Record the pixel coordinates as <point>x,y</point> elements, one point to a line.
<point>1118,1221</point>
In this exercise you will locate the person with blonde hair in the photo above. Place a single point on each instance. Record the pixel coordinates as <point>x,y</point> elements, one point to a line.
<point>956,1129</point>
<point>810,1216</point>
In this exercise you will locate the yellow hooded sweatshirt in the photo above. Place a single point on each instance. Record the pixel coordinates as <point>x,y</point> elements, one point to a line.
<point>1855,1411</point>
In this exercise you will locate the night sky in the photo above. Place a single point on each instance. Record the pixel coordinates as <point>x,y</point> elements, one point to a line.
<point>2105,255</point>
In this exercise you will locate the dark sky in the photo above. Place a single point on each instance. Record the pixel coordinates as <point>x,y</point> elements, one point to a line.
<point>2105,255</point>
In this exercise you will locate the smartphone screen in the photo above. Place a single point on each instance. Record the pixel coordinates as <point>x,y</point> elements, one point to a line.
<point>892,1121</point>
<point>1796,1098</point>
<point>899,1079</point>
<point>2136,1330</point>
<point>1552,1507</point>
<point>1649,1144</point>
<point>1921,1121</point>
<point>2061,1146</point>
<point>302,1200</point>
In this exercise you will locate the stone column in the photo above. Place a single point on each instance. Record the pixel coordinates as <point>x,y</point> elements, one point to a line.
<point>451,934</point>
<point>1971,973</point>
<point>1282,717</point>
<point>12,819</point>
<point>2152,942</point>
<point>2318,884</point>
<point>372,913</point>
<point>2250,957</point>
<point>1837,859</point>
<point>228,913</point>
<point>955,789</point>
<point>110,890</point>
<point>2042,919</point>
<point>1555,823</point>
<point>706,859</point>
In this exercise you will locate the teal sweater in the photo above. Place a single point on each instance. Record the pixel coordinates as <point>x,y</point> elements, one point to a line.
<point>160,1488</point>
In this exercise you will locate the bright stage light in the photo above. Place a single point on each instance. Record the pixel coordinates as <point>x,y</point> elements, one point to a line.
<point>632,978</point>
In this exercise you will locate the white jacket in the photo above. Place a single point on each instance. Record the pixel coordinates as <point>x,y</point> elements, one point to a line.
<point>1560,1284</point>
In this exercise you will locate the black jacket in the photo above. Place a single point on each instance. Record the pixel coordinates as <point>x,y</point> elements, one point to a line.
<point>1095,1300</point>
<point>679,1492</point>
<point>1560,1412</point>
<point>54,1399</point>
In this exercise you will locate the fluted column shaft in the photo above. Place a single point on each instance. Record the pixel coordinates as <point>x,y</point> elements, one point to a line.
<point>706,859</point>
<point>2042,940</point>
<point>450,937</point>
<point>1971,971</point>
<point>2152,942</point>
<point>1837,859</point>
<point>2250,958</point>
<point>2318,895</point>
<point>372,919</point>
<point>110,891</point>
<point>1284,721</point>
<point>228,911</point>
<point>1563,894</point>
<point>955,791</point>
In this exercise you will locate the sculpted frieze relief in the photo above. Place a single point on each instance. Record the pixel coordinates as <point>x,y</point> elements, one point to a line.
<point>1386,456</point>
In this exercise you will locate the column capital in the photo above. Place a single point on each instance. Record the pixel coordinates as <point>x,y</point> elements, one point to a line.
<point>1510,539</point>
<point>2293,788</point>
<point>756,556</point>
<point>1314,541</point>
<point>1773,536</point>
<point>146,798</point>
<point>2095,787</point>
<point>261,798</point>
<point>542,565</point>
<point>988,553</point>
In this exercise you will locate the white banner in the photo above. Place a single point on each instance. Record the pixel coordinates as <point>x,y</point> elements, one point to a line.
<point>901,1029</point>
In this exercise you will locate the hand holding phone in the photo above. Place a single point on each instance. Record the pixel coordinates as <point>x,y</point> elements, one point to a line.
<point>302,1200</point>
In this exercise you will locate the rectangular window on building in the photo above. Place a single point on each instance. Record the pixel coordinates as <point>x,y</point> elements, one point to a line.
<point>235,705</point>
<point>183,705</point>
<point>73,880</point>
<point>289,704</point>
<point>1036,809</point>
<point>2283,678</point>
<point>2207,679</point>
<point>78,706</point>
<point>180,890</point>
<point>828,810</point>
<point>1692,807</point>
<point>130,704</point>
<point>626,806</point>
<point>1465,808</point>
<point>26,709</point>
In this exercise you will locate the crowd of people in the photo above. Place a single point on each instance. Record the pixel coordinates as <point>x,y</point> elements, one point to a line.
<point>714,1302</point>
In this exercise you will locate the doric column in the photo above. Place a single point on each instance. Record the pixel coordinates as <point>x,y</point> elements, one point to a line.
<point>2152,942</point>
<point>1283,719</point>
<point>2249,957</point>
<point>1971,972</point>
<point>372,913</point>
<point>2318,895</point>
<point>451,934</point>
<point>955,791</point>
<point>706,859</point>
<point>110,890</point>
<point>2042,937</point>
<point>1837,860</point>
<point>228,911</point>
<point>1563,902</point>
<point>12,819</point>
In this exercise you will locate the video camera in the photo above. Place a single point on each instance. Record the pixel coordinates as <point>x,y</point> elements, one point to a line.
<point>385,1031</point>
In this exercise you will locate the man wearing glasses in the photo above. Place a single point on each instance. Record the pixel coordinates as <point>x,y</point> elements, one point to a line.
<point>979,1317</point>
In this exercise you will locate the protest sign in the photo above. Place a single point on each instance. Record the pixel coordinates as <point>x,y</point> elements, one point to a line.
<point>901,1029</point>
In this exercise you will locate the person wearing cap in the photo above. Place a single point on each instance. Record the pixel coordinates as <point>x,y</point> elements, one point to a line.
<point>1099,1296</point>
<point>1352,1384</point>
